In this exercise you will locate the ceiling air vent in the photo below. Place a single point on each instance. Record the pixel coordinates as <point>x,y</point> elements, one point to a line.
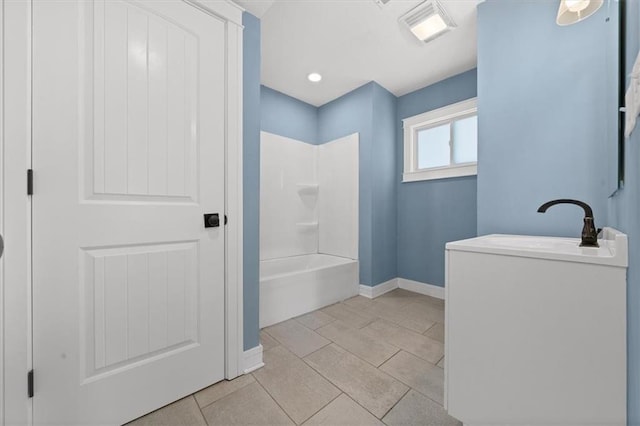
<point>428,20</point>
<point>381,3</point>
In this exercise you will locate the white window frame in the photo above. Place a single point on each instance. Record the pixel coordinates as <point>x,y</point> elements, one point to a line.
<point>429,119</point>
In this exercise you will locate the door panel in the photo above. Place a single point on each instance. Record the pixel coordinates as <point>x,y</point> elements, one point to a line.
<point>128,153</point>
<point>140,301</point>
<point>145,90</point>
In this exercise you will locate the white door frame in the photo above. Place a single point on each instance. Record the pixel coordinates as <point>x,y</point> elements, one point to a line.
<point>234,344</point>
<point>16,217</point>
<point>2,210</point>
<point>15,205</point>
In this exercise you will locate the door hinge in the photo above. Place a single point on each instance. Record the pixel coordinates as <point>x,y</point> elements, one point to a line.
<point>29,182</point>
<point>30,384</point>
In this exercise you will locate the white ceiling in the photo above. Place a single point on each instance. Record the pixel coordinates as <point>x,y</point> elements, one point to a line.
<point>352,42</point>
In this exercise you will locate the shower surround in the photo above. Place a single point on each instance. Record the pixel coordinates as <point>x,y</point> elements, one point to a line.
<point>308,225</point>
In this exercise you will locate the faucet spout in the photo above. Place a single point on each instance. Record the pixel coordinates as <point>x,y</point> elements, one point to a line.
<point>589,233</point>
<point>588,212</point>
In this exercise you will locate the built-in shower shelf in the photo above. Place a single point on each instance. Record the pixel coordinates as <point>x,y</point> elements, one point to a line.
<point>308,188</point>
<point>307,226</point>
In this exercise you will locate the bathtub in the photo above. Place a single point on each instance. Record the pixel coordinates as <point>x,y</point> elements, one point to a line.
<point>293,286</point>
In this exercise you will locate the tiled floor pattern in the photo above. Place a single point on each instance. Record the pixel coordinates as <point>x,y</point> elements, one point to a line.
<point>360,362</point>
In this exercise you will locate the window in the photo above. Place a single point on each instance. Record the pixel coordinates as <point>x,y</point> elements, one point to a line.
<point>441,143</point>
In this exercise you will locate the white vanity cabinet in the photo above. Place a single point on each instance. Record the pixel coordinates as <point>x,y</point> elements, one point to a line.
<point>536,330</point>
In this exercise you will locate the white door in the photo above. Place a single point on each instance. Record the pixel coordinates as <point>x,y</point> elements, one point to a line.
<point>128,154</point>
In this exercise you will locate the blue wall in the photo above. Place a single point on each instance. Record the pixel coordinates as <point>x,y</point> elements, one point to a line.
<point>550,139</point>
<point>370,111</point>
<point>403,227</point>
<point>543,118</point>
<point>432,213</point>
<point>384,199</point>
<point>251,178</point>
<point>537,141</point>
<point>353,113</point>
<point>625,216</point>
<point>286,116</point>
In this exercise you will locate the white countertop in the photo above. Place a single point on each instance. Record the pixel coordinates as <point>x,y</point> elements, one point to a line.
<point>612,250</point>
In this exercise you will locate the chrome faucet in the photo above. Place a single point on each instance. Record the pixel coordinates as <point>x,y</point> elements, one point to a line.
<point>589,233</point>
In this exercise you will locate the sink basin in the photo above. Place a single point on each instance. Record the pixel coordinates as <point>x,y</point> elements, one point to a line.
<point>612,250</point>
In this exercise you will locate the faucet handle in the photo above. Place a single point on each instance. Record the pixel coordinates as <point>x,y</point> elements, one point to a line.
<point>589,234</point>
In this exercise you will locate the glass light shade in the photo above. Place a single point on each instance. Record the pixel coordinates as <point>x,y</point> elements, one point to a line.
<point>572,11</point>
<point>577,5</point>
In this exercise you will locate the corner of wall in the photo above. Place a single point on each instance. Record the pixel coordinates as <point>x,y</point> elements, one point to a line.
<point>284,115</point>
<point>384,174</point>
<point>444,210</point>
<point>251,178</point>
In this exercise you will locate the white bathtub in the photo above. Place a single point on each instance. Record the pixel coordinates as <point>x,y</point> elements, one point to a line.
<point>293,286</point>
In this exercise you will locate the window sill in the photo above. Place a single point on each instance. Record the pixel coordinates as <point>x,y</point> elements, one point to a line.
<point>470,169</point>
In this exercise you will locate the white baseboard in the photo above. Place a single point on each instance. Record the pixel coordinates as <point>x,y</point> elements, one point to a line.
<point>422,288</point>
<point>252,359</point>
<point>378,290</point>
<point>414,286</point>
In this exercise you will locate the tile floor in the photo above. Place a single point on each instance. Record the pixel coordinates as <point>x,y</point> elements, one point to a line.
<point>360,362</point>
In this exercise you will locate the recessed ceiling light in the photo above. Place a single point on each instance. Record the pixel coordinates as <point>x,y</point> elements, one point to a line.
<point>314,77</point>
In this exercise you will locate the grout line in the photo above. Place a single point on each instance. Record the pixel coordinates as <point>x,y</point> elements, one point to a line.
<point>359,312</point>
<point>363,313</point>
<point>385,361</point>
<point>349,396</point>
<point>309,328</point>
<point>404,348</point>
<point>326,378</point>
<point>427,330</point>
<point>277,403</point>
<point>427,396</point>
<point>316,350</point>
<point>365,408</point>
<point>325,405</point>
<point>193,395</point>
<point>342,392</point>
<point>223,397</point>
<point>397,402</point>
<point>311,366</point>
<point>362,359</point>
<point>277,343</point>
<point>329,341</point>
<point>408,385</point>
<point>271,335</point>
<point>381,365</point>
<point>398,349</point>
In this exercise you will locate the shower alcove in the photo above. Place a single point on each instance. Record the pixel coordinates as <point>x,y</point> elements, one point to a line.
<point>308,225</point>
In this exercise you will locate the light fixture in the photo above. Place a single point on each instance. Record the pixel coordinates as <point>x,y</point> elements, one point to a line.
<point>428,20</point>
<point>572,11</point>
<point>314,77</point>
